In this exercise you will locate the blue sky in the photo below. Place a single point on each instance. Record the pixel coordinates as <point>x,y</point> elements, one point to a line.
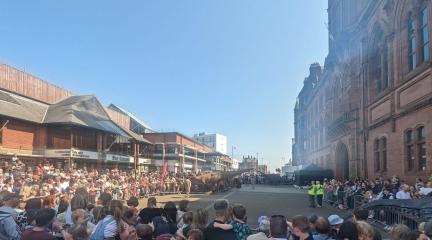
<point>233,67</point>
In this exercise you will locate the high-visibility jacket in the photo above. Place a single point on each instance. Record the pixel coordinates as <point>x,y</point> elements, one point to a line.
<point>311,191</point>
<point>319,189</point>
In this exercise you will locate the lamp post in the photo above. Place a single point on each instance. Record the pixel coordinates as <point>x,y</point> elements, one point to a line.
<point>257,162</point>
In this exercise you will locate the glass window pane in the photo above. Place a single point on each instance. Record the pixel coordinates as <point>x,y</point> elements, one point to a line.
<point>409,136</point>
<point>410,158</point>
<point>421,133</point>
<point>422,156</point>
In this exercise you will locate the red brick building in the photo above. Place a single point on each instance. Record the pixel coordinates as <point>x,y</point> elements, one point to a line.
<point>41,122</point>
<point>368,111</point>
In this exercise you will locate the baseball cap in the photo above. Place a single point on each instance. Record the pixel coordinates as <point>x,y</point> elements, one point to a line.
<point>335,220</point>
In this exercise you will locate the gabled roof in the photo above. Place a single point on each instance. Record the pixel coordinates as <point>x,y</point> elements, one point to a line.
<point>85,111</point>
<point>135,118</point>
<point>22,108</point>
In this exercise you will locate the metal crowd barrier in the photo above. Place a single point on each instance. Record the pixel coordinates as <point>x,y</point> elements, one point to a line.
<point>397,212</point>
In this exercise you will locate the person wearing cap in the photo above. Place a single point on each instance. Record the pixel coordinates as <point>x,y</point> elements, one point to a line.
<point>221,213</point>
<point>335,223</point>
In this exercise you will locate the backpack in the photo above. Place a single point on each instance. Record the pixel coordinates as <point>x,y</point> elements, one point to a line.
<point>98,233</point>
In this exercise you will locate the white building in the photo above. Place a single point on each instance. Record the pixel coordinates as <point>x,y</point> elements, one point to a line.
<point>235,164</point>
<point>215,141</point>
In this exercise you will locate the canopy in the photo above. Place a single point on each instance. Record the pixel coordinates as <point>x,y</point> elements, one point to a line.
<point>310,173</point>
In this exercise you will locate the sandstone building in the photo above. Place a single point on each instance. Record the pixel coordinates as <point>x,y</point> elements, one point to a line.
<point>368,111</point>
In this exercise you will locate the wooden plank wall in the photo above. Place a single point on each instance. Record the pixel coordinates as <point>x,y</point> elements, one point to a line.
<point>22,83</point>
<point>119,118</point>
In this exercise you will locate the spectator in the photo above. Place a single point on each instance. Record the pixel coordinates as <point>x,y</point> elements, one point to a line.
<point>404,192</point>
<point>365,231</point>
<point>76,232</point>
<point>323,228</point>
<point>212,233</point>
<point>335,223</point>
<point>133,204</point>
<point>8,227</point>
<point>166,223</point>
<point>144,232</point>
<point>183,207</point>
<point>360,214</point>
<point>312,221</point>
<point>397,231</point>
<point>43,219</point>
<point>195,234</point>
<point>411,235</point>
<point>81,217</point>
<point>263,229</point>
<point>108,227</point>
<point>26,217</point>
<point>238,224</point>
<point>147,214</point>
<point>347,231</point>
<point>187,222</point>
<point>278,227</point>
<point>300,227</point>
<point>10,203</point>
<point>428,229</point>
<point>200,219</point>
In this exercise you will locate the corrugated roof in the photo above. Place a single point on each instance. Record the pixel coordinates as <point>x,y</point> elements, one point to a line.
<point>22,108</point>
<point>84,111</point>
<point>135,118</point>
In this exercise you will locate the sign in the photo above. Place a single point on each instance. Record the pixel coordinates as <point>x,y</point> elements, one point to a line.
<point>117,158</point>
<point>58,153</point>
<point>76,153</point>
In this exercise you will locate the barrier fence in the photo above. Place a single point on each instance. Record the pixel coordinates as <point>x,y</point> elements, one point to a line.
<point>390,212</point>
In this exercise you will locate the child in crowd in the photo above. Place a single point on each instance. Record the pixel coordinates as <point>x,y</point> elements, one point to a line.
<point>238,223</point>
<point>187,221</point>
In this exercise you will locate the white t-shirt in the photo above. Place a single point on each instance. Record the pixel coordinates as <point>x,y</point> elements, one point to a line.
<point>403,195</point>
<point>425,191</point>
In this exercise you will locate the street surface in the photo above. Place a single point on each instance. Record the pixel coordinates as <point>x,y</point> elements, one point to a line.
<point>263,200</point>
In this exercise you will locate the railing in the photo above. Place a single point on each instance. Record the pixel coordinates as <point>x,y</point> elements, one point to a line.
<point>408,212</point>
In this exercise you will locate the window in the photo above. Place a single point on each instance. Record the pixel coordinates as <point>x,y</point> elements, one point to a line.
<point>380,62</point>
<point>421,148</point>
<point>378,71</point>
<point>411,43</point>
<point>424,34</point>
<point>384,153</point>
<point>385,75</point>
<point>410,150</point>
<point>376,155</point>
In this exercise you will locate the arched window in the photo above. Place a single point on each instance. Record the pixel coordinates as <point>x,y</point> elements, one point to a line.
<point>409,146</point>
<point>384,153</point>
<point>411,43</point>
<point>376,156</point>
<point>379,62</point>
<point>421,148</point>
<point>424,34</point>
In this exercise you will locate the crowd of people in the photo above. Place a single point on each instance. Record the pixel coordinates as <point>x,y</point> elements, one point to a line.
<point>345,194</point>
<point>53,184</point>
<point>48,203</point>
